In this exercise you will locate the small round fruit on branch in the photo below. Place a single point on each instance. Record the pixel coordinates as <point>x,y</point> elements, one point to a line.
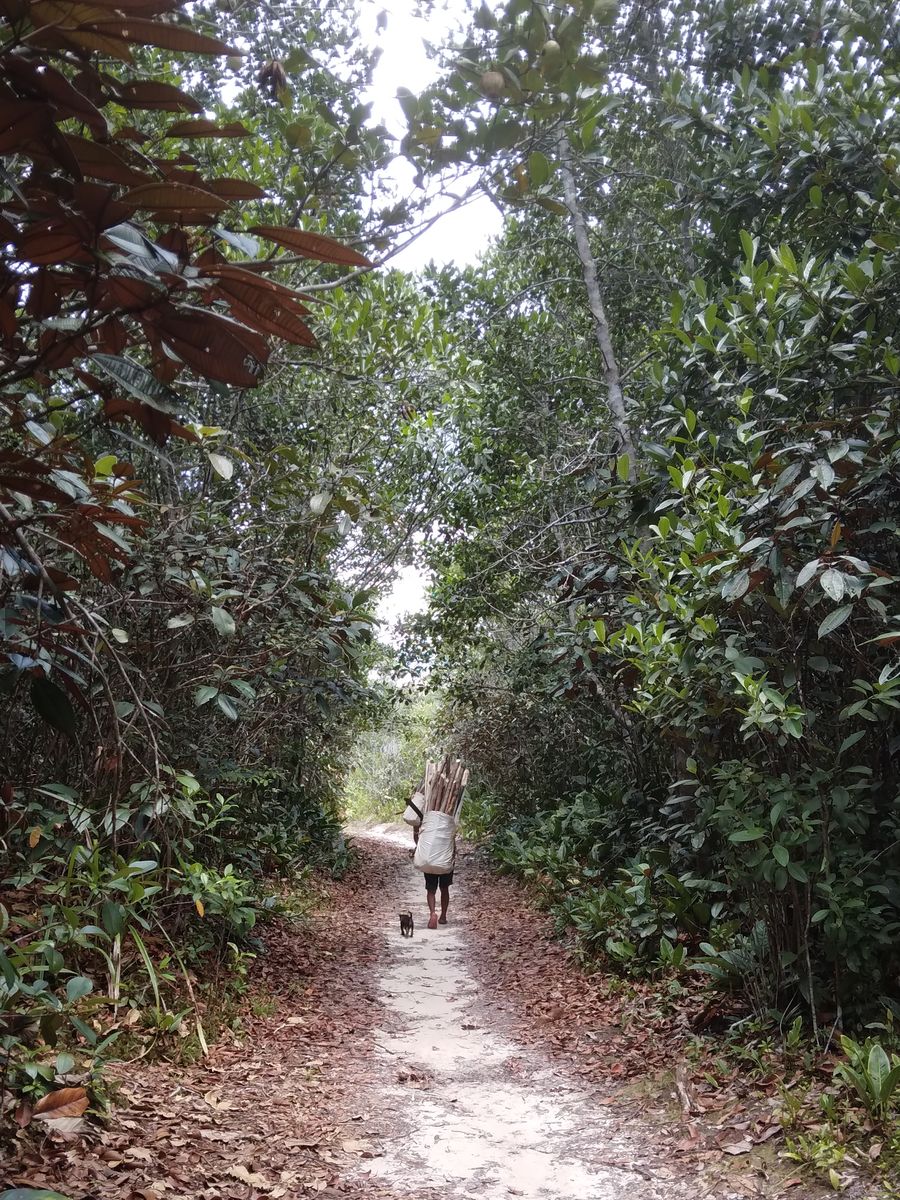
<point>492,84</point>
<point>551,58</point>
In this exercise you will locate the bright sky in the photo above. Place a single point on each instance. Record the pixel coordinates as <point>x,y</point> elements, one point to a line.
<point>459,237</point>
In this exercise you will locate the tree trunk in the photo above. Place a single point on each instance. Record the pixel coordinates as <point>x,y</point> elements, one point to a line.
<point>615,398</point>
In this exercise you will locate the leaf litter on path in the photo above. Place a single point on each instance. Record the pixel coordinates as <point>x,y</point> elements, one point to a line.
<point>310,1100</point>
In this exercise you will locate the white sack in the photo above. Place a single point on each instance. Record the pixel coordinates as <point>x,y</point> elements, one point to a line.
<point>435,848</point>
<point>415,810</point>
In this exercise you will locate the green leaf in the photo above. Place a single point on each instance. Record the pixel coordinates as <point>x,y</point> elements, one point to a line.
<point>223,621</point>
<point>834,620</point>
<point>77,988</point>
<point>85,1030</point>
<point>736,586</point>
<point>878,1068</point>
<point>780,854</point>
<point>220,464</point>
<point>539,169</point>
<point>623,467</point>
<point>851,739</point>
<point>408,103</point>
<point>64,1063</point>
<point>112,916</point>
<point>149,967</point>
<point>180,621</point>
<point>889,1084</point>
<point>832,583</point>
<point>52,703</point>
<point>204,694</point>
<point>753,834</point>
<point>227,707</point>
<point>786,258</point>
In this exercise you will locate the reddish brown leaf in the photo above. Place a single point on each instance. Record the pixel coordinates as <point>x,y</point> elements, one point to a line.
<point>87,39</point>
<point>173,197</point>
<point>101,162</point>
<point>111,337</point>
<point>20,121</point>
<point>50,83</point>
<point>280,322</point>
<point>98,204</point>
<point>55,243</point>
<point>66,1102</point>
<point>129,292</point>
<point>64,14</point>
<point>235,189</point>
<point>147,94</point>
<point>59,349</point>
<point>158,33</point>
<point>266,306</point>
<point>204,128</point>
<point>157,424</point>
<point>8,322</point>
<point>216,347</point>
<point>175,240</point>
<point>244,284</point>
<point>312,245</point>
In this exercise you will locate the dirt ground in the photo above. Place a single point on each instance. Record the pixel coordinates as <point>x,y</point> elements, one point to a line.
<point>468,1061</point>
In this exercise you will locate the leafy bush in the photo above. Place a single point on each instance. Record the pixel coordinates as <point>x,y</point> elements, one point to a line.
<point>693,620</point>
<point>874,1074</point>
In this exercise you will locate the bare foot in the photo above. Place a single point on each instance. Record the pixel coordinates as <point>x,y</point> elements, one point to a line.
<point>433,921</point>
<point>443,919</point>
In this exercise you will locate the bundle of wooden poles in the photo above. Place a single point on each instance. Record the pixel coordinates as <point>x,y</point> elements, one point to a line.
<point>444,785</point>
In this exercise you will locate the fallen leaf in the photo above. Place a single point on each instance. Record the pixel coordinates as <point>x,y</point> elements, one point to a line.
<point>66,1127</point>
<point>743,1147</point>
<point>240,1172</point>
<point>215,1102</point>
<point>767,1133</point>
<point>65,1102</point>
<point>355,1146</point>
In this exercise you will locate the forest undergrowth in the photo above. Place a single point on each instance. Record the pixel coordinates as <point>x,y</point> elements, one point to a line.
<point>644,452</point>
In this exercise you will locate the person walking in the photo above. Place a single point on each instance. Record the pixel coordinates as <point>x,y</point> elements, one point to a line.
<point>432,883</point>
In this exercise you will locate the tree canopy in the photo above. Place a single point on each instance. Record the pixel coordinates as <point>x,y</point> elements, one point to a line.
<point>646,450</point>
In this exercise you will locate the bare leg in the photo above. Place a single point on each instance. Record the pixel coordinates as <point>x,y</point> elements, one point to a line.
<point>445,903</point>
<point>432,920</point>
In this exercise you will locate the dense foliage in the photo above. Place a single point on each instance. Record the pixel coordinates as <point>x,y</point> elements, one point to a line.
<point>648,450</point>
<point>667,626</point>
<point>198,505</point>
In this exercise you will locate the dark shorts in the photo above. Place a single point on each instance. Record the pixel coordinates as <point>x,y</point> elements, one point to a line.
<point>432,881</point>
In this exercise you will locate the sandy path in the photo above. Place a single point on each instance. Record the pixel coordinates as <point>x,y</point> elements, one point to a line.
<point>382,1068</point>
<point>478,1114</point>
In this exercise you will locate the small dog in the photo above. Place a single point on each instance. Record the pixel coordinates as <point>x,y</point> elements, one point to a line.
<point>406,924</point>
